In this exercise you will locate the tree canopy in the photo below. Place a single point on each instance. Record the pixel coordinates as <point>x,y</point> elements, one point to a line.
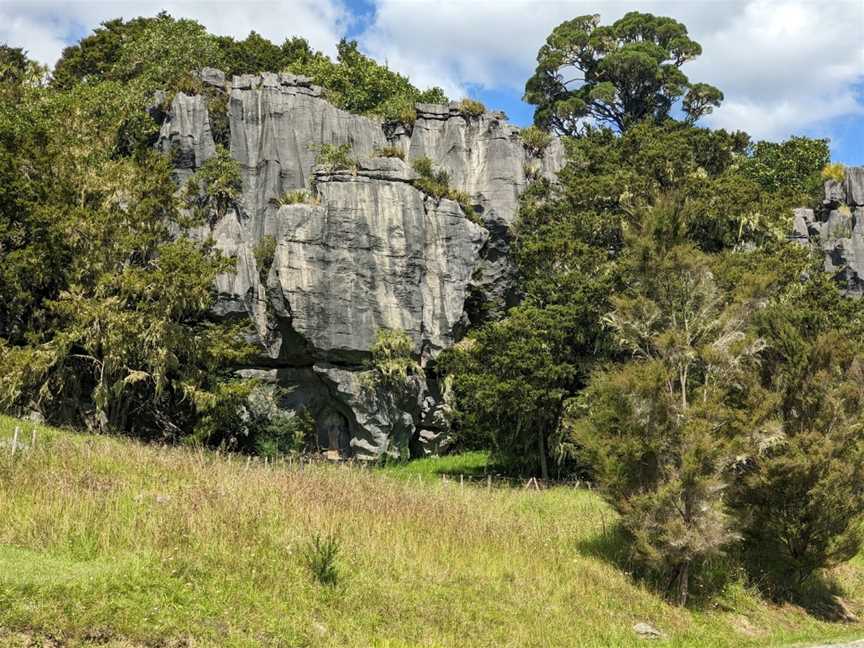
<point>616,75</point>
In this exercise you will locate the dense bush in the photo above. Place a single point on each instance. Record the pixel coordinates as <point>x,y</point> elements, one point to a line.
<point>535,140</point>
<point>159,52</point>
<point>244,416</point>
<point>215,186</point>
<point>358,84</point>
<point>335,157</point>
<point>393,365</point>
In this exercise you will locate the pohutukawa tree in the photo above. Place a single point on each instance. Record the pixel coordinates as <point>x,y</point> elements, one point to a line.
<point>616,75</point>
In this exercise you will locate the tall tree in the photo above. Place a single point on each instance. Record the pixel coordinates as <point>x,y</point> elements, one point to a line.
<point>617,75</point>
<point>663,427</point>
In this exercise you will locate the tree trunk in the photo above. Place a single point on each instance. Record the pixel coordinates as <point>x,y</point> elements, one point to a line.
<point>541,448</point>
<point>683,583</point>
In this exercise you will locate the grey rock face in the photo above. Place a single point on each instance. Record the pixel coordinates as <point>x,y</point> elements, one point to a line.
<point>486,159</point>
<point>839,230</point>
<point>368,251</point>
<point>377,254</point>
<point>186,136</point>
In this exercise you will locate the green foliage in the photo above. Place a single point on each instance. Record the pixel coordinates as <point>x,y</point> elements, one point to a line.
<point>286,434</point>
<point>393,363</point>
<point>535,140</point>
<point>336,157</point>
<point>617,75</point>
<point>358,84</point>
<point>321,556</point>
<point>34,214</point>
<point>93,58</point>
<point>797,493</point>
<point>511,379</point>
<point>436,183</point>
<point>264,253</point>
<point>217,111</point>
<point>164,51</point>
<point>471,108</point>
<point>725,204</point>
<point>160,52</point>
<point>793,167</point>
<point>256,54</point>
<point>215,186</point>
<point>390,152</point>
<point>296,197</point>
<point>833,171</point>
<point>245,416</point>
<point>118,337</point>
<point>662,428</point>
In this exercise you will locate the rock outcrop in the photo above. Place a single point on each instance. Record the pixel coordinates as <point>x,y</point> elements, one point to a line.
<point>367,251</point>
<point>838,230</point>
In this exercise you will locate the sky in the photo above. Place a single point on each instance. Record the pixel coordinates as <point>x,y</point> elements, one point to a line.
<point>786,67</point>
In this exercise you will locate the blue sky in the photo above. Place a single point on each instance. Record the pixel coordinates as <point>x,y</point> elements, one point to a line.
<point>787,67</point>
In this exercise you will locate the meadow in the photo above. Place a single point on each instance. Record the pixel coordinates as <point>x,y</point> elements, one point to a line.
<point>112,542</point>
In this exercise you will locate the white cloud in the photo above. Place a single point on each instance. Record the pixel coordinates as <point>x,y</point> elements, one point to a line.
<point>44,28</point>
<point>782,64</point>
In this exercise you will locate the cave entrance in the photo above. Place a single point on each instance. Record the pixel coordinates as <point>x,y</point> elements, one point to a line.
<point>333,432</point>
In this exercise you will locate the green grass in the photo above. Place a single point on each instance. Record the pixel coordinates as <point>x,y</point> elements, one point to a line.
<point>473,464</point>
<point>105,541</point>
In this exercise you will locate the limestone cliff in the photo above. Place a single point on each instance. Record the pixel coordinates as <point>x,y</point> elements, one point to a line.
<point>838,230</point>
<point>371,251</point>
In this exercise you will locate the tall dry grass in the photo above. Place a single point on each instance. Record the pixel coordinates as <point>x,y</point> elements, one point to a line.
<point>112,540</point>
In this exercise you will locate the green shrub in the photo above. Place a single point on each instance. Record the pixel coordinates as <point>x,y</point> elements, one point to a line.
<point>296,197</point>
<point>358,84</point>
<point>398,110</point>
<point>264,253</point>
<point>321,555</point>
<point>220,125</point>
<point>336,157</point>
<point>471,108</point>
<point>216,185</point>
<point>437,184</point>
<point>834,171</point>
<point>285,433</point>
<point>535,140</point>
<point>390,152</point>
<point>189,84</point>
<point>432,182</point>
<point>245,416</point>
<point>393,357</point>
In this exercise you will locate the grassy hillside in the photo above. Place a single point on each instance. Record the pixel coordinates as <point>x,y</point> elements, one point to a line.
<point>110,542</point>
